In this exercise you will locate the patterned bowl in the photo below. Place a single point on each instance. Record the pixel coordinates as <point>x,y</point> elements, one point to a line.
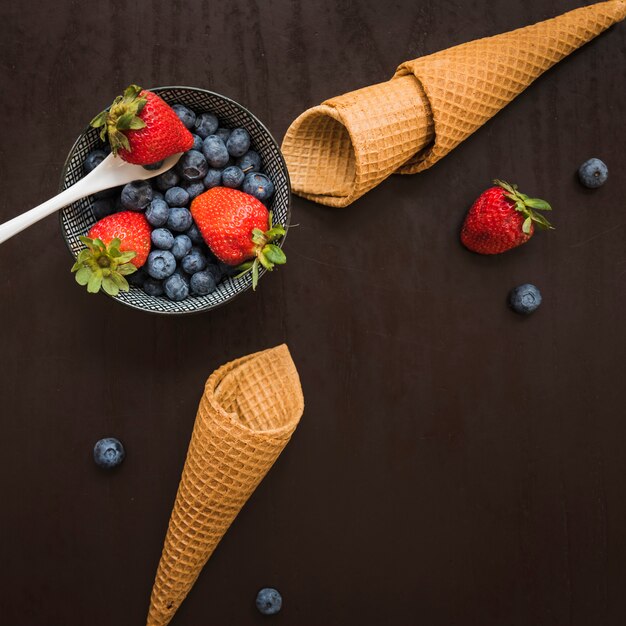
<point>77,218</point>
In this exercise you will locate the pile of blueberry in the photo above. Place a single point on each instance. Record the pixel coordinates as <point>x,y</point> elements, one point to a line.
<point>180,264</point>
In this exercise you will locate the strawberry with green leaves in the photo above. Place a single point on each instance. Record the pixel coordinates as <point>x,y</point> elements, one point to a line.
<point>142,128</point>
<point>502,218</point>
<point>238,228</point>
<point>117,246</point>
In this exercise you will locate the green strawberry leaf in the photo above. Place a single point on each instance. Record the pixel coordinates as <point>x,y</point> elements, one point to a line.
<point>255,275</point>
<point>83,275</point>
<point>265,262</point>
<point>99,120</point>
<point>94,283</point>
<point>537,203</point>
<point>258,236</point>
<point>274,254</point>
<point>274,233</point>
<point>541,221</point>
<point>109,286</point>
<point>125,257</point>
<point>120,281</point>
<point>136,123</point>
<point>526,225</point>
<point>126,269</point>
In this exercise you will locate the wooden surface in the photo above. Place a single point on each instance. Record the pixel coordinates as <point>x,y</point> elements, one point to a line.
<point>456,464</point>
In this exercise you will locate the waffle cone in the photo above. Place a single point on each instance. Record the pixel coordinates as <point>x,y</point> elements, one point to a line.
<point>247,414</point>
<point>341,149</point>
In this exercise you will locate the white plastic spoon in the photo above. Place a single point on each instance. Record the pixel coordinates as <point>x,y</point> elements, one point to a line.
<point>112,172</point>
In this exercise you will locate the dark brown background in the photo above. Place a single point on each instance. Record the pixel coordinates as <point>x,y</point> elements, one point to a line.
<point>456,464</point>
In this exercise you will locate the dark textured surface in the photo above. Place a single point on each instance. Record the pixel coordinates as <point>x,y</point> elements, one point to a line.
<point>456,464</point>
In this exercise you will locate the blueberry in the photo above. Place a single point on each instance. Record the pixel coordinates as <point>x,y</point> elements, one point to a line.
<point>157,213</point>
<point>258,185</point>
<point>194,189</point>
<point>137,278</point>
<point>179,220</point>
<point>157,195</point>
<point>160,264</point>
<point>185,115</point>
<point>136,196</point>
<point>166,180</point>
<point>223,133</point>
<point>215,270</point>
<point>176,196</point>
<point>232,177</point>
<point>525,299</point>
<point>176,288</point>
<point>250,161</point>
<point>197,143</point>
<point>206,124</point>
<point>215,151</point>
<point>102,207</point>
<point>182,274</point>
<point>162,238</point>
<point>194,261</point>
<point>238,143</point>
<point>93,159</point>
<point>108,453</point>
<point>153,166</point>
<point>182,245</point>
<point>202,283</point>
<point>153,287</point>
<point>194,234</point>
<point>193,165</point>
<point>269,601</point>
<point>593,173</point>
<point>213,178</point>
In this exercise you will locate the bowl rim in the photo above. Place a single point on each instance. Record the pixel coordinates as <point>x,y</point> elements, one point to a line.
<point>284,168</point>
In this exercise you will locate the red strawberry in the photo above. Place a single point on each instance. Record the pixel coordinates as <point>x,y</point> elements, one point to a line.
<point>116,246</point>
<point>502,218</point>
<point>238,227</point>
<point>142,128</point>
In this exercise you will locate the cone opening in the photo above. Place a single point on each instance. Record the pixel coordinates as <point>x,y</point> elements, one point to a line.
<point>320,155</point>
<point>260,393</point>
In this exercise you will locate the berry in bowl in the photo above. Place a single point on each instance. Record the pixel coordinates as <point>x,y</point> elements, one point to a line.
<point>195,236</point>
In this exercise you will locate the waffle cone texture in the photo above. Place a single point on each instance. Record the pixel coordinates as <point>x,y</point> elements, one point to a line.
<point>247,414</point>
<point>339,150</point>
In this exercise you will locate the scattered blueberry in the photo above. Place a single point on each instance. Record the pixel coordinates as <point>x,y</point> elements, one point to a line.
<point>108,453</point>
<point>166,180</point>
<point>179,219</point>
<point>157,213</point>
<point>593,173</point>
<point>185,115</point>
<point>176,288</point>
<point>193,165</point>
<point>202,283</point>
<point>136,196</point>
<point>215,151</point>
<point>195,261</point>
<point>238,143</point>
<point>162,238</point>
<point>182,245</point>
<point>258,185</point>
<point>269,601</point>
<point>197,143</point>
<point>102,207</point>
<point>232,177</point>
<point>525,299</point>
<point>93,159</point>
<point>176,196</point>
<point>160,264</point>
<point>194,234</point>
<point>153,166</point>
<point>153,287</point>
<point>223,133</point>
<point>250,161</point>
<point>194,189</point>
<point>213,178</point>
<point>206,124</point>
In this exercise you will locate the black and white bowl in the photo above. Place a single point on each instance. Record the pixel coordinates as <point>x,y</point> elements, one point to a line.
<point>78,218</point>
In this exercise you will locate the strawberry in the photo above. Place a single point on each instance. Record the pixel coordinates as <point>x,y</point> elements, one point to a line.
<point>238,227</point>
<point>502,218</point>
<point>116,246</point>
<point>142,128</point>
